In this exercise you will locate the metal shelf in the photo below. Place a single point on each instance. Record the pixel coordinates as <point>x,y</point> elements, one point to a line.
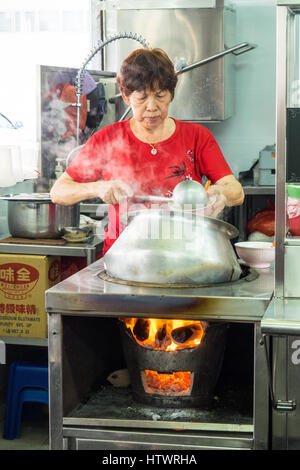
<point>257,190</point>
<point>87,250</point>
<point>292,241</point>
<point>24,341</point>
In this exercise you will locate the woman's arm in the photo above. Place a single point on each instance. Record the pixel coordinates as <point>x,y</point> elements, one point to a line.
<point>229,192</point>
<point>66,191</point>
<point>231,189</point>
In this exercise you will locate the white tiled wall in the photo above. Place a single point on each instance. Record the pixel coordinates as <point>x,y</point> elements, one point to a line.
<point>252,126</point>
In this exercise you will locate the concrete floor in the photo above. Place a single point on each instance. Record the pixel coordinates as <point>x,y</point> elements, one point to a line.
<point>34,434</point>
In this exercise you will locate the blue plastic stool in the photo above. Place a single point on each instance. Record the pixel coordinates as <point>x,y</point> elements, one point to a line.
<point>35,395</point>
<point>22,376</point>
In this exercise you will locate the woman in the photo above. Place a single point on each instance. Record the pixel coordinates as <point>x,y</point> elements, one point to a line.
<point>149,153</point>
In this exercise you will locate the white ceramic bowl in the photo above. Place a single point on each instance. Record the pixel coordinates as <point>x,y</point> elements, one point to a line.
<point>256,254</point>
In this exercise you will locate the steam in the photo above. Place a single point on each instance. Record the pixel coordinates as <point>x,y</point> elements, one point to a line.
<point>109,166</point>
<point>154,222</point>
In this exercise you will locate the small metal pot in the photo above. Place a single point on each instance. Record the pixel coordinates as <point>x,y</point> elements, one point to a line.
<point>36,216</point>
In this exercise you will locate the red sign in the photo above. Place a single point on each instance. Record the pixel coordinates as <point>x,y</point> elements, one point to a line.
<point>17,279</point>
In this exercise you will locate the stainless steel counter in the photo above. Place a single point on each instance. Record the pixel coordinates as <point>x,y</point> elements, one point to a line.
<point>87,250</point>
<point>243,301</point>
<point>81,305</point>
<point>282,323</point>
<point>282,317</point>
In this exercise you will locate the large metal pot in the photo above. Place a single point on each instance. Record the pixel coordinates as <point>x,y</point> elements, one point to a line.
<point>173,247</point>
<point>36,216</point>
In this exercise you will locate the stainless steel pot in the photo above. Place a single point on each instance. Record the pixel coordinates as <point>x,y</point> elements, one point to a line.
<point>36,216</point>
<point>162,247</point>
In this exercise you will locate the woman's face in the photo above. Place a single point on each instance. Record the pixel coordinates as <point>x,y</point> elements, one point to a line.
<point>150,108</point>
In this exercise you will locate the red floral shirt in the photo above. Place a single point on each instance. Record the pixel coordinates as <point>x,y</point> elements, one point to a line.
<point>115,153</point>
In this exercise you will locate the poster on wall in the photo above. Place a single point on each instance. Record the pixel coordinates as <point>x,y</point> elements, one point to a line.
<point>57,125</point>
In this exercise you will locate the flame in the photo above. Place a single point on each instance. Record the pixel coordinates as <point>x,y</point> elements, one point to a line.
<point>178,383</point>
<point>166,335</point>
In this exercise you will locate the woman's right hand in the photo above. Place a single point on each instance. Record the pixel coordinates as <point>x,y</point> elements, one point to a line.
<point>111,192</point>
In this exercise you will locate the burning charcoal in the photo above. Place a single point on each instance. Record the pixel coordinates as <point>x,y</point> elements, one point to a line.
<point>165,342</point>
<point>162,341</point>
<point>168,384</point>
<point>161,333</point>
<point>184,333</point>
<point>148,346</point>
<point>141,329</point>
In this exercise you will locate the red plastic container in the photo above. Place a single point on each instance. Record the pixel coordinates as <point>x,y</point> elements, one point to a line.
<point>293,209</point>
<point>294,225</point>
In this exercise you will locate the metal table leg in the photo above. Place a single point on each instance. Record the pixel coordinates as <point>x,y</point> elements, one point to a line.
<point>90,256</point>
<point>261,393</point>
<point>55,382</point>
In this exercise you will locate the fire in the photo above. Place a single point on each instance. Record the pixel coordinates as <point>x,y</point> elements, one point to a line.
<point>178,383</point>
<point>165,335</point>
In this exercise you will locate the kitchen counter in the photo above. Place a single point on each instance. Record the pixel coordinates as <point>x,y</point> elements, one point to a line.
<point>87,250</point>
<point>79,309</point>
<point>282,317</point>
<point>86,293</point>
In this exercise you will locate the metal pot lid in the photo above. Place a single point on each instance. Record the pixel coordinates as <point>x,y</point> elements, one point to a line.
<point>218,224</point>
<point>33,197</point>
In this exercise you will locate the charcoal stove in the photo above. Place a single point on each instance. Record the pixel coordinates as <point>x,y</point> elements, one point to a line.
<point>185,377</point>
<point>85,346</point>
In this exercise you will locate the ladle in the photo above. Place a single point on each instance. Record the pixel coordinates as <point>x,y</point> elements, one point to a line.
<point>186,192</point>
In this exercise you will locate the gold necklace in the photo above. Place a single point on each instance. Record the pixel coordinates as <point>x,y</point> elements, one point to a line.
<point>153,149</point>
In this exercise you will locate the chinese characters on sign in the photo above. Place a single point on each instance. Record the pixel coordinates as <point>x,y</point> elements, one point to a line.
<point>10,274</point>
<point>23,283</point>
<point>11,323</point>
<point>18,308</point>
<point>17,280</point>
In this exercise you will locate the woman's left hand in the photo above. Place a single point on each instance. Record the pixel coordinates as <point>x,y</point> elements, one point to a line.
<point>216,192</point>
<point>228,192</point>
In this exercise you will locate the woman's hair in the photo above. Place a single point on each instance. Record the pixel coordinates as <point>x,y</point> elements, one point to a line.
<point>145,68</point>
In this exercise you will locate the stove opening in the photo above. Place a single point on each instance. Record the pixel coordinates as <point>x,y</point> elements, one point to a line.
<point>93,350</point>
<point>165,335</point>
<point>173,384</point>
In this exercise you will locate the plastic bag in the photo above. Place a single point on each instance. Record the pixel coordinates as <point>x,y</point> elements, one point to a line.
<point>293,212</point>
<point>293,207</point>
<point>263,221</point>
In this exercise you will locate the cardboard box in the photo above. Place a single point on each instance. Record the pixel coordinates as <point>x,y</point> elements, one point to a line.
<point>23,282</point>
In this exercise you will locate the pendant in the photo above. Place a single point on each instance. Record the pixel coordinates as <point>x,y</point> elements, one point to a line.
<point>153,151</point>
